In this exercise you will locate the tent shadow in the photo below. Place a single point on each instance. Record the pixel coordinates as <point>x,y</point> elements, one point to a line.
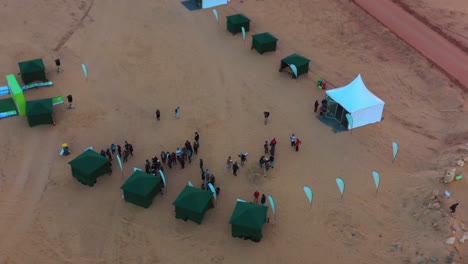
<point>190,5</point>
<point>335,126</point>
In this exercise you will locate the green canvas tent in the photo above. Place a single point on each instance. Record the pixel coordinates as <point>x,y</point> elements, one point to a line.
<point>247,221</point>
<point>88,166</point>
<point>140,188</point>
<point>39,112</point>
<point>236,22</point>
<point>31,71</point>
<point>192,203</point>
<point>264,42</point>
<point>301,63</point>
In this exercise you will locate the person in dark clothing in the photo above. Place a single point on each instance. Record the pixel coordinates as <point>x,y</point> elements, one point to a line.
<point>187,144</point>
<point>265,146</point>
<point>127,146</point>
<point>169,160</point>
<point>125,156</point>
<point>261,161</point>
<point>184,153</point>
<point>113,148</point>
<point>130,149</point>
<point>201,165</point>
<point>316,105</point>
<point>272,150</point>
<point>195,147</point>
<point>163,157</point>
<point>235,167</point>
<point>108,152</point>
<point>324,103</point>
<point>263,200</point>
<point>182,163</point>
<point>266,115</point>
<point>243,157</point>
<point>212,179</point>
<point>158,114</point>
<point>197,137</point>
<point>119,150</point>
<point>189,147</point>
<point>189,156</point>
<point>453,207</point>
<point>70,101</point>
<point>272,161</point>
<point>103,153</point>
<point>147,167</point>
<point>174,158</point>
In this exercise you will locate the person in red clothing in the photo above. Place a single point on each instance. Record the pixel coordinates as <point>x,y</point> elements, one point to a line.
<point>298,143</point>
<point>273,142</point>
<point>256,195</point>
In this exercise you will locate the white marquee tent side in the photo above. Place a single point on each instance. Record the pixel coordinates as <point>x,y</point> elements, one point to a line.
<point>365,108</point>
<point>213,3</point>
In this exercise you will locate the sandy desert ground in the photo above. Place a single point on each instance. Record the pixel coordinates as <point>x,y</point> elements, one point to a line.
<point>156,54</point>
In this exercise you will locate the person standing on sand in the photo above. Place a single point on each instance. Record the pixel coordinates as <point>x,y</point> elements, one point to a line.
<point>195,147</point>
<point>169,160</point>
<point>256,195</point>
<point>316,105</point>
<point>113,148</point>
<point>293,140</point>
<point>125,156</point>
<point>229,163</point>
<point>298,143</point>
<point>119,150</point>
<point>163,157</point>
<point>263,200</point>
<point>235,167</point>
<point>177,112</point>
<point>261,161</point>
<point>158,114</point>
<point>265,147</point>
<point>174,158</point>
<point>272,161</point>
<point>130,149</point>
<point>108,152</point>
<point>197,138</point>
<point>201,165</point>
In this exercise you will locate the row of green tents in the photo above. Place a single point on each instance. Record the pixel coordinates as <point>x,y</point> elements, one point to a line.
<point>265,42</point>
<point>192,203</point>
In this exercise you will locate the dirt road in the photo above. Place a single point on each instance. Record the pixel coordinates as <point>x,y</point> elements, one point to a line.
<point>432,45</point>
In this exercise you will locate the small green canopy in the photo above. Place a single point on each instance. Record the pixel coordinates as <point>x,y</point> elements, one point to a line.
<point>264,42</point>
<point>88,166</point>
<point>31,71</point>
<point>301,63</point>
<point>39,112</point>
<point>247,221</point>
<point>140,188</point>
<point>192,203</point>
<point>236,22</point>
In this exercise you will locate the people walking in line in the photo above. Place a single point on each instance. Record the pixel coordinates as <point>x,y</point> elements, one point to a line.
<point>263,200</point>
<point>177,112</point>
<point>158,114</point>
<point>298,143</point>
<point>235,167</point>
<point>197,137</point>
<point>293,140</point>
<point>113,148</point>
<point>229,163</point>
<point>265,147</point>
<point>256,195</point>
<point>316,105</point>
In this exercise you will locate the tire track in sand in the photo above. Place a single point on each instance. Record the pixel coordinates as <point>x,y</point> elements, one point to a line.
<point>20,202</point>
<point>450,58</point>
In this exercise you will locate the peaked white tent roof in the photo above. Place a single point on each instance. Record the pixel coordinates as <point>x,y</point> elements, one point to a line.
<point>364,107</point>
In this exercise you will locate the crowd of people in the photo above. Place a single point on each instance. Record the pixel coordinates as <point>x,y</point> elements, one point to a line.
<point>117,149</point>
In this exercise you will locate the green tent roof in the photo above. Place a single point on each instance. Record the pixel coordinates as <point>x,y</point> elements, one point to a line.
<point>249,215</point>
<point>296,59</point>
<point>39,107</point>
<point>193,199</point>
<point>88,162</point>
<point>237,19</point>
<point>141,183</point>
<point>31,66</point>
<point>264,38</point>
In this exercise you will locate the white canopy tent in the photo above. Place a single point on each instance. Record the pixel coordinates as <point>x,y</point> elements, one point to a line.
<point>213,3</point>
<point>363,106</point>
